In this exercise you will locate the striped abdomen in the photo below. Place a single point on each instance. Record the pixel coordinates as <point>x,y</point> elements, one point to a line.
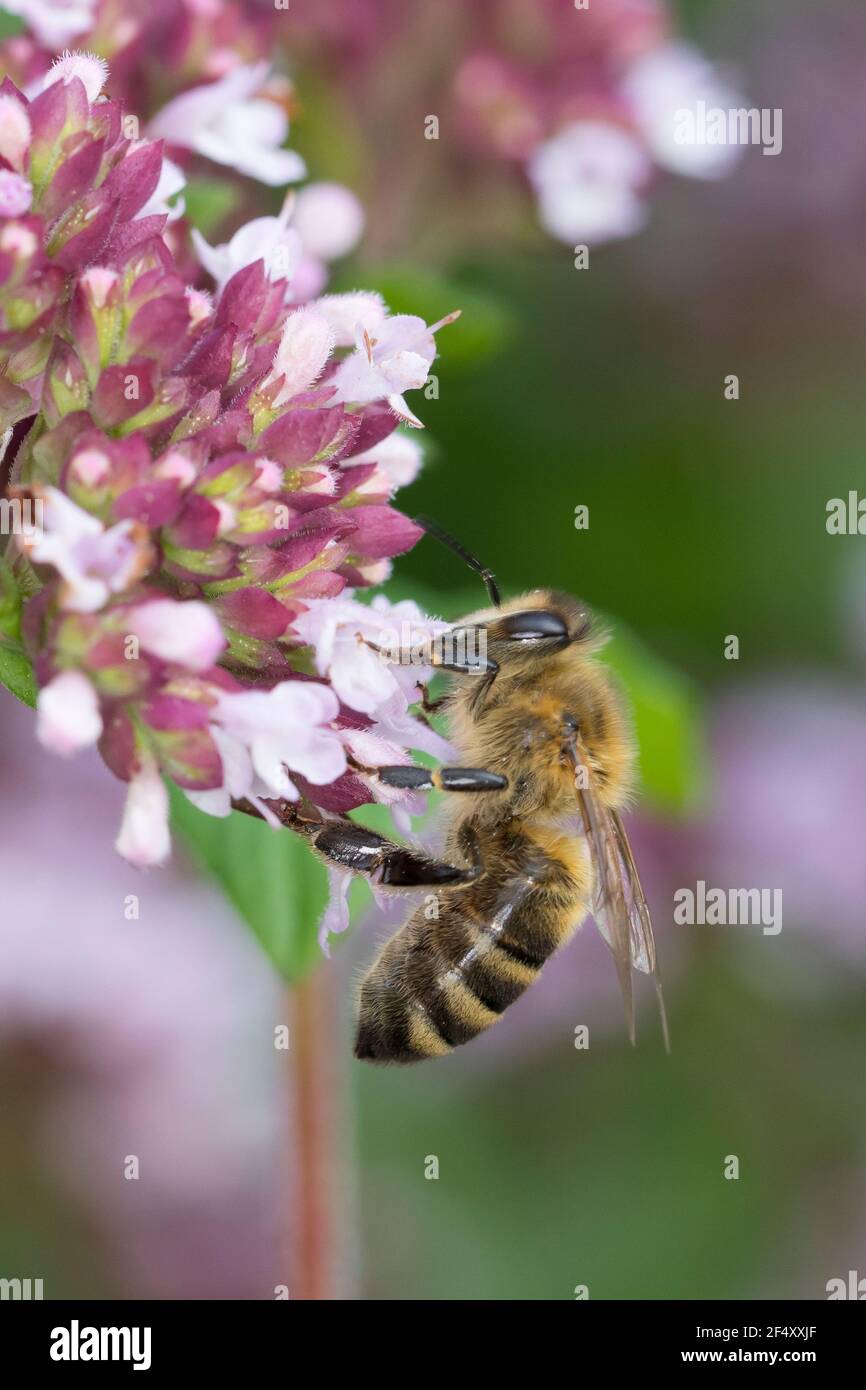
<point>460,960</point>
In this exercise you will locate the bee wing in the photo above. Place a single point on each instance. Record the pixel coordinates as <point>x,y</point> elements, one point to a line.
<point>619,904</point>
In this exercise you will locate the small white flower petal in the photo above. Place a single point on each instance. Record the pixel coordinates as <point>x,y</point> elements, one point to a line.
<point>172,180</point>
<point>188,632</point>
<point>329,219</point>
<point>335,918</point>
<point>588,179</point>
<point>15,130</point>
<point>347,313</point>
<point>91,70</point>
<point>67,714</point>
<point>667,81</point>
<point>305,346</point>
<point>144,837</point>
<point>93,562</point>
<point>226,122</point>
<point>398,455</point>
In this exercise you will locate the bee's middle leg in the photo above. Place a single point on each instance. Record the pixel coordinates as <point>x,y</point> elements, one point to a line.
<point>350,846</point>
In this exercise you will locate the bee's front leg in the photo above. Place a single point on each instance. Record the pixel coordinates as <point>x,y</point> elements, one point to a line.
<point>451,652</point>
<point>442,779</point>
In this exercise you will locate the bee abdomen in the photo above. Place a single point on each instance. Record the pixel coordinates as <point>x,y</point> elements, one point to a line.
<point>439,984</point>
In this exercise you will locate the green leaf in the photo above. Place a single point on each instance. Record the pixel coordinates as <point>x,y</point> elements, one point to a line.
<point>209,203</point>
<point>270,876</point>
<point>482,330</point>
<point>10,25</point>
<point>16,673</point>
<point>667,723</point>
<point>10,603</point>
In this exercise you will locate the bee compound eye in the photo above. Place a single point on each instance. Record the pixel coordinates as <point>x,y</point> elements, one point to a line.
<point>533,624</point>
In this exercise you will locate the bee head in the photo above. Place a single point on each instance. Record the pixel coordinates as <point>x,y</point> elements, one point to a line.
<point>526,629</point>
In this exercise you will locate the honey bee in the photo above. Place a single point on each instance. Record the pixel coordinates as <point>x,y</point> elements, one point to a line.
<point>535,839</point>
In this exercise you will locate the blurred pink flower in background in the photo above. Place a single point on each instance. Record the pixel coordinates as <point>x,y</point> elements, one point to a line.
<point>157,1010</point>
<point>228,122</point>
<point>55,22</point>
<point>582,102</point>
<point>169,45</point>
<point>196,73</point>
<point>789,808</point>
<point>791,229</point>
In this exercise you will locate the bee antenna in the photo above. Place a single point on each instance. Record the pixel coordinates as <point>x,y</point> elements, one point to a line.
<point>440,534</point>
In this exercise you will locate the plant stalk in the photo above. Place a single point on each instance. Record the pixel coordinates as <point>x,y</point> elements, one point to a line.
<point>321,1254</point>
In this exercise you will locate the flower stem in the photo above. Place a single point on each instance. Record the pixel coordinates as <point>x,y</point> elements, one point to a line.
<point>320,1197</point>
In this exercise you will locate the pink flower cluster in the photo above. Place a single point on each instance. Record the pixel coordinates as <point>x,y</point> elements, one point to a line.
<point>195,74</point>
<point>165,45</point>
<point>214,479</point>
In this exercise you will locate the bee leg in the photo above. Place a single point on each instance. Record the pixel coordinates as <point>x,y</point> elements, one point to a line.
<point>430,706</point>
<point>438,656</point>
<point>287,812</point>
<point>470,846</point>
<point>443,779</point>
<point>569,729</point>
<point>352,847</point>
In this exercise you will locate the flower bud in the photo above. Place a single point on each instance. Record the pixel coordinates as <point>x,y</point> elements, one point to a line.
<point>15,131</point>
